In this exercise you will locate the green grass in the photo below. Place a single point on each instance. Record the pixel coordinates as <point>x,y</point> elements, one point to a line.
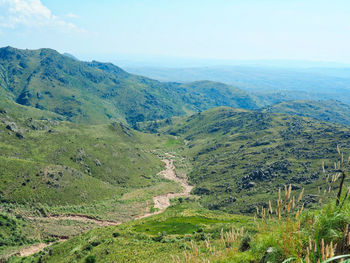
<point>176,225</point>
<point>173,143</point>
<point>13,231</point>
<point>68,155</point>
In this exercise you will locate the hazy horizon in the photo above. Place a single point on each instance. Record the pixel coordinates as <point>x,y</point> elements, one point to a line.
<point>183,62</point>
<point>191,31</point>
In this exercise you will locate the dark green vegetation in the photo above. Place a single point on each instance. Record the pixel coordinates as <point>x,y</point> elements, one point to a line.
<point>240,158</point>
<point>94,92</point>
<point>326,110</point>
<point>13,231</point>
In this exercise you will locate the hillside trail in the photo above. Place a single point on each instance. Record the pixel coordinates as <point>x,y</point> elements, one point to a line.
<point>161,202</point>
<point>74,217</point>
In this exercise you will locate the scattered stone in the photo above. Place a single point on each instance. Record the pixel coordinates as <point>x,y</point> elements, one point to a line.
<point>250,185</point>
<point>12,127</point>
<point>272,255</point>
<point>19,135</point>
<point>97,162</point>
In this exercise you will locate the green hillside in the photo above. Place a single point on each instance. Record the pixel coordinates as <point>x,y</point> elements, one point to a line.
<point>57,168</point>
<point>325,110</point>
<point>63,163</point>
<point>240,158</point>
<point>94,92</point>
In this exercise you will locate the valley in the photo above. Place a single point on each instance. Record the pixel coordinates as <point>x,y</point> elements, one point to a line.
<point>100,165</point>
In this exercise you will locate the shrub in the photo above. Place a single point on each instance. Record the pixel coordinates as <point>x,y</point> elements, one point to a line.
<point>116,234</point>
<point>91,259</point>
<point>245,243</point>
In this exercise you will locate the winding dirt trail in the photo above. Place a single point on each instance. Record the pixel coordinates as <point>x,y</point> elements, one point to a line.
<point>161,202</point>
<point>80,218</point>
<point>28,251</point>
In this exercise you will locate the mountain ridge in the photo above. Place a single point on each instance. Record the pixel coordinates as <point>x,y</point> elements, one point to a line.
<point>96,92</point>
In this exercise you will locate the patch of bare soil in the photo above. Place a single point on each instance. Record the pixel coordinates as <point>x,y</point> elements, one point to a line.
<point>24,252</point>
<point>162,202</point>
<point>80,218</point>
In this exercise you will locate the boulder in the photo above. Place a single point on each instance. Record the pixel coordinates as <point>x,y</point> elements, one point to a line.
<point>272,255</point>
<point>12,127</point>
<point>97,162</point>
<point>19,135</point>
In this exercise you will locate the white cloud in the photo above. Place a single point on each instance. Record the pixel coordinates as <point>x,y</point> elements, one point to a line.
<point>71,15</point>
<point>30,13</point>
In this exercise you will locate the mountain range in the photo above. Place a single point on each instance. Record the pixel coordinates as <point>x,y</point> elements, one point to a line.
<point>95,92</point>
<point>115,162</point>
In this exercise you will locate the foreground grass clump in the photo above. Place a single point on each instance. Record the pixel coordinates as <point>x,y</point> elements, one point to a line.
<point>286,233</point>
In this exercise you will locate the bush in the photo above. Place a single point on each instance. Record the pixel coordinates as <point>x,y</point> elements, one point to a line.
<point>245,243</point>
<point>116,234</point>
<point>90,259</point>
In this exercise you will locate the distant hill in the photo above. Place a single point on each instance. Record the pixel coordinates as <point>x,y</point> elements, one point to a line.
<point>326,110</point>
<point>316,83</point>
<point>240,158</point>
<point>95,92</point>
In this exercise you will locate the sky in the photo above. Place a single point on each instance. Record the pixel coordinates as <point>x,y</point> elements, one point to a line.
<point>158,30</point>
